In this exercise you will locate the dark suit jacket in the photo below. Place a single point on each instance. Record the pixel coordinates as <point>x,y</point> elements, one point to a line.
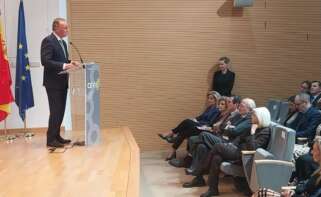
<point>260,139</point>
<point>317,102</point>
<point>53,58</point>
<point>223,83</point>
<point>308,123</point>
<point>242,126</point>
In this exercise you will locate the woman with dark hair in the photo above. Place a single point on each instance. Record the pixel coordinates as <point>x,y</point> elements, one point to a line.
<point>223,79</point>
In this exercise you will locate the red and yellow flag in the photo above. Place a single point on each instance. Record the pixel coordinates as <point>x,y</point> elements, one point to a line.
<point>5,78</point>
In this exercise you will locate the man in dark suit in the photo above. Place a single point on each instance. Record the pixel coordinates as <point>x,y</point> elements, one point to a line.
<point>54,58</point>
<point>310,119</point>
<point>315,92</point>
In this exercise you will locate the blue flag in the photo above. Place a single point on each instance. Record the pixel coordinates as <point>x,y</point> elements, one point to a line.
<point>23,86</point>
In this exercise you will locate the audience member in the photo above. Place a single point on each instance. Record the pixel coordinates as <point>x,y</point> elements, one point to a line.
<point>315,92</point>
<point>293,116</point>
<point>311,117</point>
<point>183,130</point>
<point>305,87</point>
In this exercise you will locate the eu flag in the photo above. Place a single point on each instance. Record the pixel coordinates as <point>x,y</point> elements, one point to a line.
<point>23,86</point>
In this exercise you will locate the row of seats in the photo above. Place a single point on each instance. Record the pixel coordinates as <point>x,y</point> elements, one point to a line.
<point>278,109</point>
<point>270,168</point>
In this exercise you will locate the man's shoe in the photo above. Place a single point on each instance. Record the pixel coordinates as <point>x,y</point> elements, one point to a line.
<point>176,163</point>
<point>210,193</point>
<point>63,141</point>
<point>55,144</point>
<point>171,156</point>
<point>196,182</point>
<point>163,137</point>
<point>171,139</point>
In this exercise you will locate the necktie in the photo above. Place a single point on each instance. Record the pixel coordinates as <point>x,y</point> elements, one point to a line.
<point>63,47</point>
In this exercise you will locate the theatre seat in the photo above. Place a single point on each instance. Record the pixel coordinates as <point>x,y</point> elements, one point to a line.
<point>269,168</point>
<point>272,168</point>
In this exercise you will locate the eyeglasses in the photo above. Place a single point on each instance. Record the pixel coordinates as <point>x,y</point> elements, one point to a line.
<point>297,104</point>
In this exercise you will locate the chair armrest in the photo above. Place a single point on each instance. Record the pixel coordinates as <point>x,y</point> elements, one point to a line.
<point>248,152</point>
<point>274,162</point>
<point>271,174</point>
<point>263,154</point>
<point>302,140</point>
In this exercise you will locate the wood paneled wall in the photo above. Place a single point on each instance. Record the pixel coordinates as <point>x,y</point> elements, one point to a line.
<point>157,57</point>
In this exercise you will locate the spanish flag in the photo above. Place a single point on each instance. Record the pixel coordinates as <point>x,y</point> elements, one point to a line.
<point>5,78</point>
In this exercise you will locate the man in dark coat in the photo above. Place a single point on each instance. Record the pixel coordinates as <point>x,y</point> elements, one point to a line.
<point>54,58</point>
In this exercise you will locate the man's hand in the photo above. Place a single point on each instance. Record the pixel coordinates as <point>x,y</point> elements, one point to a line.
<point>253,128</point>
<point>76,63</point>
<point>72,65</point>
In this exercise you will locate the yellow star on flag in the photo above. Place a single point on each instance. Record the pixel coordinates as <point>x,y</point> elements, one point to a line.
<point>23,78</point>
<point>28,67</point>
<point>20,46</point>
<point>26,55</point>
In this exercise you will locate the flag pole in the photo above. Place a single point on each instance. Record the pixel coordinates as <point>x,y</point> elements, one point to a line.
<point>25,132</point>
<point>9,138</point>
<point>5,127</point>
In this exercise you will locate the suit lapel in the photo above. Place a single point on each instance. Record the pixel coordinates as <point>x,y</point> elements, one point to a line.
<point>57,44</point>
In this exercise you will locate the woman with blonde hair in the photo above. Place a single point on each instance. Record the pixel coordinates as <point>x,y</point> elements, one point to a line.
<point>183,130</point>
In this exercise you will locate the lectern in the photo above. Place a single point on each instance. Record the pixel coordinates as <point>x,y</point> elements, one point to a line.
<point>85,91</point>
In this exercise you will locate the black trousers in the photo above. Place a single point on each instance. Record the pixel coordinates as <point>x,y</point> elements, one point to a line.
<point>57,104</point>
<point>220,152</point>
<point>184,130</point>
<point>304,167</point>
<point>200,147</point>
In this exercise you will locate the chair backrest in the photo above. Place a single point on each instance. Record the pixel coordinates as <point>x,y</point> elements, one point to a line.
<point>283,112</point>
<point>274,108</point>
<point>282,145</point>
<point>272,137</point>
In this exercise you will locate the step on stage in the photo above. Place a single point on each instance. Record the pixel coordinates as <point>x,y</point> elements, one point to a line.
<point>109,169</point>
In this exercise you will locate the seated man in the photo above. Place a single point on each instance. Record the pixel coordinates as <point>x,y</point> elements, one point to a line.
<point>293,116</point>
<point>315,92</point>
<point>311,117</point>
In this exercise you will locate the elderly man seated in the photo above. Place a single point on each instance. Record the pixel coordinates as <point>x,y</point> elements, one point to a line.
<point>311,117</point>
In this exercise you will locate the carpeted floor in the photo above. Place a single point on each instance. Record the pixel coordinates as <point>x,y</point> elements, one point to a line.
<point>159,179</point>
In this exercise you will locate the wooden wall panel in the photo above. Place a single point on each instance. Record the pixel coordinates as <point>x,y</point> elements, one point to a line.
<point>157,57</point>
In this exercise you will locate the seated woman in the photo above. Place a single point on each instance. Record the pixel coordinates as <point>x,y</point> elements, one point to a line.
<point>257,137</point>
<point>182,131</point>
<point>310,187</point>
<point>238,125</point>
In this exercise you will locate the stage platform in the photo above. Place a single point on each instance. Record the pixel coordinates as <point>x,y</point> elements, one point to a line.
<point>110,169</point>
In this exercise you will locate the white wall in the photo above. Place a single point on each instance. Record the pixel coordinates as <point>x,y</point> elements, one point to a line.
<point>38,16</point>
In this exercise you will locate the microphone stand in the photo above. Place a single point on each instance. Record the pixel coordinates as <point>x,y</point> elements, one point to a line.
<point>78,53</point>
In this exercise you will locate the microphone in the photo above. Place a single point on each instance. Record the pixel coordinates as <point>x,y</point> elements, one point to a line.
<point>78,53</point>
